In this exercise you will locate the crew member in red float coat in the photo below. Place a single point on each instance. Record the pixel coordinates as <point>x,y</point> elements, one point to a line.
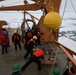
<point>4,42</point>
<point>28,36</point>
<point>69,71</point>
<point>39,53</point>
<point>38,36</point>
<point>16,39</point>
<point>1,31</point>
<point>0,35</point>
<point>29,46</point>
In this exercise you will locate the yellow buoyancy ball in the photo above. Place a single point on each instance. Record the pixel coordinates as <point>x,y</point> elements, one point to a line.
<point>52,20</point>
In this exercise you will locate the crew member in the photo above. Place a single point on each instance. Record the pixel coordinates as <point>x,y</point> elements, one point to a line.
<point>16,69</point>
<point>39,53</point>
<point>4,42</point>
<point>3,29</point>
<point>28,36</point>
<point>69,71</point>
<point>38,36</point>
<point>16,39</point>
<point>29,46</point>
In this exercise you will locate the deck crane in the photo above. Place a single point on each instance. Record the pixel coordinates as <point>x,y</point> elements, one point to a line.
<point>38,5</point>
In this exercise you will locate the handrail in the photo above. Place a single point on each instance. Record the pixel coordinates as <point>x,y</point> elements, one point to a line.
<point>66,52</point>
<point>69,53</point>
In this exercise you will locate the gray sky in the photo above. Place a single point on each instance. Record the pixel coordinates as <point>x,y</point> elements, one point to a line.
<point>13,2</point>
<point>18,2</point>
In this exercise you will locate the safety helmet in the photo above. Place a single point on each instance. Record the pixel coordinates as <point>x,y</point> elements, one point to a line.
<point>16,68</point>
<point>15,31</point>
<point>4,32</point>
<point>35,37</point>
<point>56,71</point>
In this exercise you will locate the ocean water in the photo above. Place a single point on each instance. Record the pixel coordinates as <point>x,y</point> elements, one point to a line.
<point>68,27</point>
<point>67,35</point>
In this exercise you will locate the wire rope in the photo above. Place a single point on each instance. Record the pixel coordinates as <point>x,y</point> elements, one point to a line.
<point>64,9</point>
<point>73,6</point>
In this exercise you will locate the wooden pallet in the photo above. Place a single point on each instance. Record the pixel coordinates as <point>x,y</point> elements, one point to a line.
<point>49,61</point>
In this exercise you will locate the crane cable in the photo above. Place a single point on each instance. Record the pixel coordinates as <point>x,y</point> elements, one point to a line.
<point>73,6</point>
<point>64,9</point>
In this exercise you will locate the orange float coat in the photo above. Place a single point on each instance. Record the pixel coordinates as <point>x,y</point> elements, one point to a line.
<point>38,53</point>
<point>4,40</point>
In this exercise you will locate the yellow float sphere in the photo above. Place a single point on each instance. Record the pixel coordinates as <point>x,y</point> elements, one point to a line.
<point>52,20</point>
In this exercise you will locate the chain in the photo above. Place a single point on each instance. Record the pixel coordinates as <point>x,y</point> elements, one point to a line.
<point>51,5</point>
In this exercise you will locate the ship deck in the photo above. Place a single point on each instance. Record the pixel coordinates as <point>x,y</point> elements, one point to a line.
<point>9,59</point>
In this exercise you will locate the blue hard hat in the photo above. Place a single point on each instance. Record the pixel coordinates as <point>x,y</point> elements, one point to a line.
<point>4,32</point>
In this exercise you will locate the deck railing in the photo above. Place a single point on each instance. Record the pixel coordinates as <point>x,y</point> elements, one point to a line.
<point>69,53</point>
